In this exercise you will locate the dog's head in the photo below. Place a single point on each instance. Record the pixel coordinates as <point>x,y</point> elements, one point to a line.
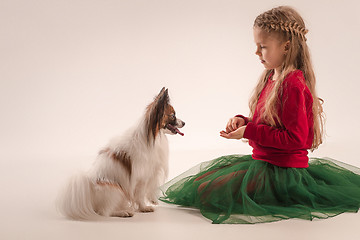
<point>161,116</point>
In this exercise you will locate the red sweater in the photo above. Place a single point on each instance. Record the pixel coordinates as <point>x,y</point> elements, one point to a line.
<point>286,146</point>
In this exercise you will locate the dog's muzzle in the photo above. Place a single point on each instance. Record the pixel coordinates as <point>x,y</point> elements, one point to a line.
<point>175,128</point>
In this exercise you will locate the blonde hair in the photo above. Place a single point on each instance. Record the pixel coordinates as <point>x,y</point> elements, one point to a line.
<point>286,24</point>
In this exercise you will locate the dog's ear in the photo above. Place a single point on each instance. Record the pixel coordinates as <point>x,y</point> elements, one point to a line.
<point>162,99</point>
<point>163,93</point>
<point>164,96</point>
<point>162,90</point>
<point>156,111</point>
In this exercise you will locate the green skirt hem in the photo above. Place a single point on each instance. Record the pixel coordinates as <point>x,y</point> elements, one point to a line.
<point>238,189</point>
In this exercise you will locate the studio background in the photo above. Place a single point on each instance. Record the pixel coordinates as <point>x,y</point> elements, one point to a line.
<point>74,73</point>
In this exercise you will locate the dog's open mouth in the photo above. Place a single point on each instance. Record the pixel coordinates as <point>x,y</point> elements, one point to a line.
<point>174,129</point>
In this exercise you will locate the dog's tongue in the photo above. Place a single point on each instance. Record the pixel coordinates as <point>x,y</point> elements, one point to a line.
<point>178,131</point>
<point>172,128</point>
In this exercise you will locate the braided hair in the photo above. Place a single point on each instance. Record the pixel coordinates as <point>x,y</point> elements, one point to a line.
<point>282,19</point>
<point>287,25</point>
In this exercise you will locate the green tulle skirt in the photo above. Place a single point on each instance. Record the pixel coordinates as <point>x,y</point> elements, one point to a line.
<point>239,189</point>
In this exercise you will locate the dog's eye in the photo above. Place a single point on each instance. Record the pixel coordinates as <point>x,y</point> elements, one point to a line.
<point>172,116</point>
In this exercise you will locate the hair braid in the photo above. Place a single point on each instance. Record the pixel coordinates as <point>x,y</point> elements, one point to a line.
<point>276,20</point>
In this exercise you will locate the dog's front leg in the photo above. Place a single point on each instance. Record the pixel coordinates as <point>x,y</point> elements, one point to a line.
<point>153,192</point>
<point>140,197</point>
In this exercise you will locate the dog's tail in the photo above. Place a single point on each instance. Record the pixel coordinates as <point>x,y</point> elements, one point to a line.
<point>76,201</point>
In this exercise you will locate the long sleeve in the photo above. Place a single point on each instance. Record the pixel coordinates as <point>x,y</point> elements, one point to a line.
<point>297,102</point>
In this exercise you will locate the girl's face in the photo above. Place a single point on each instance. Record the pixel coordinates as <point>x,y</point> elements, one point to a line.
<point>270,49</point>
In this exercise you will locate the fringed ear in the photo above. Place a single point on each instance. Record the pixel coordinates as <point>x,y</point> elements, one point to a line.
<point>155,113</point>
<point>163,91</point>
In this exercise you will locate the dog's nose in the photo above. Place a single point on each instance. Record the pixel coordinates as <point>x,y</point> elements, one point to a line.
<point>183,123</point>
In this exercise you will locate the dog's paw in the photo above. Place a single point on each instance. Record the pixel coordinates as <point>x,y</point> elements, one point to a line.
<point>123,214</point>
<point>146,209</point>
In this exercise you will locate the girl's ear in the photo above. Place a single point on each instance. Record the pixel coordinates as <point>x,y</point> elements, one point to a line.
<point>287,46</point>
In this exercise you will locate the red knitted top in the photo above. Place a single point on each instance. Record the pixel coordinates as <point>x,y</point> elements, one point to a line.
<point>286,146</point>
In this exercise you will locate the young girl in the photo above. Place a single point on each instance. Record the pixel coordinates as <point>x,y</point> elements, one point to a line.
<point>286,120</point>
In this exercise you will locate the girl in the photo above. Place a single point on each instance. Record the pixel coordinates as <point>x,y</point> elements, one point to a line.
<point>286,120</point>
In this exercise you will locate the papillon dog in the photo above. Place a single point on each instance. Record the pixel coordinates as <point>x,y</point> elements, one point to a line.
<point>128,172</point>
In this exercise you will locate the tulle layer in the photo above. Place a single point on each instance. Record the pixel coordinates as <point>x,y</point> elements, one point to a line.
<point>239,189</point>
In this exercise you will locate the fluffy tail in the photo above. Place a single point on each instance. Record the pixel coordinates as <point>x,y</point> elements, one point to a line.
<point>77,199</point>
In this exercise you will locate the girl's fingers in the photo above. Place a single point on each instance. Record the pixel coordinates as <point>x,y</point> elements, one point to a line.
<point>224,134</point>
<point>229,127</point>
<point>234,125</point>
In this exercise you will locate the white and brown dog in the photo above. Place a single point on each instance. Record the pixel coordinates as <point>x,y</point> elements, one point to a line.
<point>128,171</point>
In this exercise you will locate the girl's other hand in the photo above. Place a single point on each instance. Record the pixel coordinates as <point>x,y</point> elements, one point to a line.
<point>237,134</point>
<point>234,123</point>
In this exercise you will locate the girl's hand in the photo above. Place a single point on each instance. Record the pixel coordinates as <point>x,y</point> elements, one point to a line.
<point>234,123</point>
<point>237,134</point>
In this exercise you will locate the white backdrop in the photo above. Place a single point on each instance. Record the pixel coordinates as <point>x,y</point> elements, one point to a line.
<point>74,73</point>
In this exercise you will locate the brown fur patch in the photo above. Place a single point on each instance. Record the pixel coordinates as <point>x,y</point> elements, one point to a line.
<point>121,157</point>
<point>124,159</point>
<point>110,184</point>
<point>169,116</point>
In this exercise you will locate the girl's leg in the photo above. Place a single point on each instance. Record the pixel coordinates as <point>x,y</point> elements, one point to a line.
<point>220,181</point>
<point>204,175</point>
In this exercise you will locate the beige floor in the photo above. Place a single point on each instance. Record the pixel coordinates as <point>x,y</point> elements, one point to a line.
<point>28,212</point>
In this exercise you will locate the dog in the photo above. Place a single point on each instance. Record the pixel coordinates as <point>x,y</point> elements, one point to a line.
<point>127,172</point>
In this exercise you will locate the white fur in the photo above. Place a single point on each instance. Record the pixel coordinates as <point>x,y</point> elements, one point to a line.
<point>83,198</point>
